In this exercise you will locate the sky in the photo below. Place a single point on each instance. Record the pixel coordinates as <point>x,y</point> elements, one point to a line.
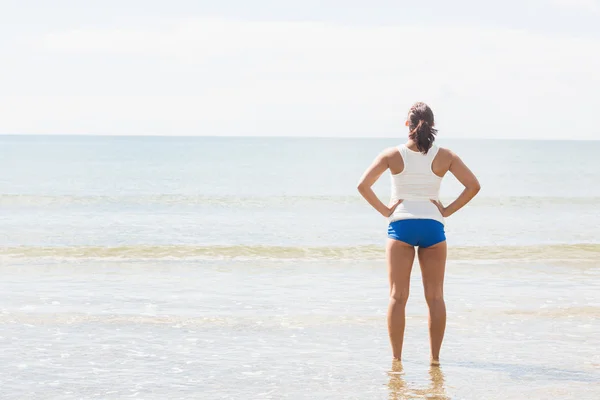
<point>515,69</point>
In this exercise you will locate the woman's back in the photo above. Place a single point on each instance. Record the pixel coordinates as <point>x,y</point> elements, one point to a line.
<point>416,179</point>
<point>416,185</point>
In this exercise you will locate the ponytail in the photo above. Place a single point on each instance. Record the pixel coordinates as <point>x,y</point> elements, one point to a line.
<point>421,127</point>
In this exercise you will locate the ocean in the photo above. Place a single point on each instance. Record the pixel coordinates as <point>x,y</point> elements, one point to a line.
<point>250,268</point>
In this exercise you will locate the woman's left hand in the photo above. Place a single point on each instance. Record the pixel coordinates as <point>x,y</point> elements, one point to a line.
<point>440,206</point>
<point>391,208</point>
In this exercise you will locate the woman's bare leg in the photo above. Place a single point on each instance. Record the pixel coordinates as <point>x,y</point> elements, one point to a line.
<point>400,258</point>
<point>433,265</point>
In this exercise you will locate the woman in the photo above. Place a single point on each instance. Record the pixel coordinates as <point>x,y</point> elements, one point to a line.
<point>416,219</point>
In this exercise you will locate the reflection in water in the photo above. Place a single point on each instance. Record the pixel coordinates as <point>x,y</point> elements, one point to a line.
<point>400,390</point>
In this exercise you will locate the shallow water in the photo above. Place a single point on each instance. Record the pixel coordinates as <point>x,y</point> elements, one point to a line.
<point>149,268</point>
<point>232,329</point>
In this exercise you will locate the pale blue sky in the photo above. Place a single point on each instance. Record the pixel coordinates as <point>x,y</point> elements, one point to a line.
<point>510,69</point>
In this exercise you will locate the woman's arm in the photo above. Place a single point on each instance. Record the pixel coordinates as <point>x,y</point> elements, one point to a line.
<point>378,167</point>
<point>469,181</point>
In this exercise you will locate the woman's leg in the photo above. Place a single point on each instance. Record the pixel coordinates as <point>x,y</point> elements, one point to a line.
<point>433,265</point>
<point>400,258</point>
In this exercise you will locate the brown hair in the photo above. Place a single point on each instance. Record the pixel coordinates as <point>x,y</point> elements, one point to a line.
<point>420,123</point>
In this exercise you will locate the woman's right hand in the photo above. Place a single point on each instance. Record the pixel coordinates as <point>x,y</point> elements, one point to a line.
<point>391,208</point>
<point>440,206</point>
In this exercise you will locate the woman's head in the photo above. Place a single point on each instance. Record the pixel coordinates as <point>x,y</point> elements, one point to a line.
<point>420,123</point>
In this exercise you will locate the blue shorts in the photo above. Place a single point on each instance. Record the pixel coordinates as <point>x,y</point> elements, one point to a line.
<point>417,232</point>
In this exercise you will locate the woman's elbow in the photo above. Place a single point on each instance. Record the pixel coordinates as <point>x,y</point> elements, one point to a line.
<point>361,187</point>
<point>475,187</point>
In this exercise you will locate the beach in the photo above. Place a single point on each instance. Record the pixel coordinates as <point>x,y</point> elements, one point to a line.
<point>228,268</point>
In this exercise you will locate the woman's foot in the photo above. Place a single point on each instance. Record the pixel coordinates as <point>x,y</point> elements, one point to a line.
<point>434,362</point>
<point>397,368</point>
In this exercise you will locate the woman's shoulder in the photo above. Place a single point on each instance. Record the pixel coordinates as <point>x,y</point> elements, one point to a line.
<point>390,152</point>
<point>446,152</point>
<point>444,157</point>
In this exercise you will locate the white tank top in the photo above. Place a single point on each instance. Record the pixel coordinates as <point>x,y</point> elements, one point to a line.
<point>416,185</point>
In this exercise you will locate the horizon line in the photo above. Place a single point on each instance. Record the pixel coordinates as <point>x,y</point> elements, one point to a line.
<point>278,136</point>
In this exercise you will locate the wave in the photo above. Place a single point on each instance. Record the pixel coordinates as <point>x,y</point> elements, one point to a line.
<point>8,200</point>
<point>167,200</point>
<point>570,252</point>
<point>261,323</point>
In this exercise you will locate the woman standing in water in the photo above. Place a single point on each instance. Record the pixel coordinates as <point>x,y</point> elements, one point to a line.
<point>416,219</point>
